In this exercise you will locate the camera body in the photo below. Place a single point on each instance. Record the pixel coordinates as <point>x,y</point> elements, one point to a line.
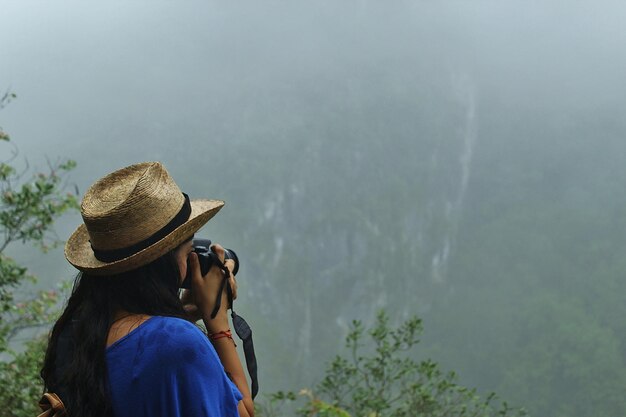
<point>206,257</point>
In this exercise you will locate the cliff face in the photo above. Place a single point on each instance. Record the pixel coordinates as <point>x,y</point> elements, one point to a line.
<point>447,200</point>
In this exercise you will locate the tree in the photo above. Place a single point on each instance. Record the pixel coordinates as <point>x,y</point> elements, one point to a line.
<point>28,209</point>
<point>388,382</point>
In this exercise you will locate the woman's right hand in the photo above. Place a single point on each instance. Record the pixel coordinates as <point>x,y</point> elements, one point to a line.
<point>205,289</point>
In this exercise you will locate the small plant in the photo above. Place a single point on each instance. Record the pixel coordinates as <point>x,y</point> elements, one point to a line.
<point>380,379</point>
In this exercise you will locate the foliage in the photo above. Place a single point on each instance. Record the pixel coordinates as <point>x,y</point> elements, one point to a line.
<point>28,209</point>
<point>21,382</point>
<point>388,382</point>
<point>592,353</point>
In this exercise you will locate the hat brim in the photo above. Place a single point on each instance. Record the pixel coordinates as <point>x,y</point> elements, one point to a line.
<point>79,253</point>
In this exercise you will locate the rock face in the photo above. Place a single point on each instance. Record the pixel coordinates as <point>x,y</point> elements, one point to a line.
<point>359,209</point>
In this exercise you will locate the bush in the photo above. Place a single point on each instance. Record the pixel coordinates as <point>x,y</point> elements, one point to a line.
<point>380,379</point>
<point>28,209</point>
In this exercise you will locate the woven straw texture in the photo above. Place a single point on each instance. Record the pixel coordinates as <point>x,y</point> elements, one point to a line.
<point>126,207</point>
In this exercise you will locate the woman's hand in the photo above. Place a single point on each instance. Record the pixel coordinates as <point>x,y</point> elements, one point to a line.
<point>204,290</point>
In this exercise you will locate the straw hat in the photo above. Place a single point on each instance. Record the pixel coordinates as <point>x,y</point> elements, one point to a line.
<point>133,216</point>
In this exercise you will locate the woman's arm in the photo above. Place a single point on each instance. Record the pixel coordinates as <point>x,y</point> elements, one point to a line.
<point>205,291</point>
<point>230,360</point>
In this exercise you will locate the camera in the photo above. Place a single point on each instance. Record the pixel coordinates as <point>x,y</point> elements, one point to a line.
<point>207,258</point>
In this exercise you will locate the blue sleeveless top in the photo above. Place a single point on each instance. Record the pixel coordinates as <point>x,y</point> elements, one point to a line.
<point>168,367</point>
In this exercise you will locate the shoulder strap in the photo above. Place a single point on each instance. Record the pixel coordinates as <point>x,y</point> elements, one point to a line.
<point>51,406</point>
<point>244,332</point>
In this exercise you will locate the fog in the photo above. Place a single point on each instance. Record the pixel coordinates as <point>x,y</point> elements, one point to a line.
<point>459,160</point>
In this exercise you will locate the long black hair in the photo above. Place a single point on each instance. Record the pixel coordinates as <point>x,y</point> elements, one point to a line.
<point>75,363</point>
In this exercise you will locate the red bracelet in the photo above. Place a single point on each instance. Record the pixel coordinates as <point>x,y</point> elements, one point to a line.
<point>222,334</point>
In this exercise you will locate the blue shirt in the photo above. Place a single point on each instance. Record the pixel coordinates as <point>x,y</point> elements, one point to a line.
<point>168,367</point>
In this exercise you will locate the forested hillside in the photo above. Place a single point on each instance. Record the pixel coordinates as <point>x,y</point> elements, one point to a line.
<point>518,272</point>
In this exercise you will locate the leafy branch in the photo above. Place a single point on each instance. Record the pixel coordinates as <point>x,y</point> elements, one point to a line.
<point>381,379</point>
<point>29,205</point>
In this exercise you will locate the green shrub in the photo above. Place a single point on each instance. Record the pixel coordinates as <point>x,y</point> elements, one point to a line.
<point>379,378</point>
<point>28,209</point>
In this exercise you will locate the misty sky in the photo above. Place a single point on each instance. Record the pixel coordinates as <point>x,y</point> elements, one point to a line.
<point>131,81</point>
<point>83,69</point>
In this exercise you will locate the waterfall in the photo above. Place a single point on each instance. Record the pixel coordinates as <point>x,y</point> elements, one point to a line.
<point>469,141</point>
<point>465,93</point>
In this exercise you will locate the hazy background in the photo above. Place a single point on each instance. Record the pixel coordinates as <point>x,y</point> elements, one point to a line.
<point>459,160</point>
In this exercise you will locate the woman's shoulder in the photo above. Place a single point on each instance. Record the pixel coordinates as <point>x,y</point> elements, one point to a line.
<point>173,322</point>
<point>177,342</point>
<point>160,336</point>
<point>172,329</point>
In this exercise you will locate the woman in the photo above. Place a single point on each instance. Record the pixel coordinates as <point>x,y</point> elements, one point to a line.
<point>125,344</point>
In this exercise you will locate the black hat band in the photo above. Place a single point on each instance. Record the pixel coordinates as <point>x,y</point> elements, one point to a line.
<point>117,254</point>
